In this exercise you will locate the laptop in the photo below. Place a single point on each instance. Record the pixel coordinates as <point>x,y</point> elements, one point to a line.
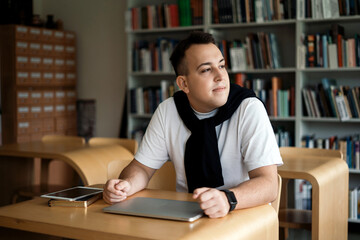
<point>158,208</point>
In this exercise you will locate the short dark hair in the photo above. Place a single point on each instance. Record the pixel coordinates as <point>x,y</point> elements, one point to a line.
<point>177,56</point>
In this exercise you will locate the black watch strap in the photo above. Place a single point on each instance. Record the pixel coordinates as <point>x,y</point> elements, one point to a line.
<point>231,198</point>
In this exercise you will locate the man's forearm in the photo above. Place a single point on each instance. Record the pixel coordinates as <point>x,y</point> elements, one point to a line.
<point>137,175</point>
<point>260,189</point>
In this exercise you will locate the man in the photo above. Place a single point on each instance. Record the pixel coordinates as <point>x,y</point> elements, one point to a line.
<point>217,134</point>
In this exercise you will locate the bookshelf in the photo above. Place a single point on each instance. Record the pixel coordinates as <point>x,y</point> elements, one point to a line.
<point>290,32</point>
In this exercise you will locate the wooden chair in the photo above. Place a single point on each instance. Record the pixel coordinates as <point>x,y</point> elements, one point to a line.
<point>44,186</point>
<point>129,144</point>
<point>295,218</point>
<point>276,203</point>
<point>63,138</point>
<point>164,178</point>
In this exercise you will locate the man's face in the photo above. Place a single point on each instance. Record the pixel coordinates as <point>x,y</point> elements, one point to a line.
<point>207,82</point>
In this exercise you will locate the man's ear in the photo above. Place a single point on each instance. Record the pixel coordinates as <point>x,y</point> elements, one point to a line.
<point>181,81</point>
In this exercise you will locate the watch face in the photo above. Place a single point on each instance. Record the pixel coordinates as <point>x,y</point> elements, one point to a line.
<point>232,198</point>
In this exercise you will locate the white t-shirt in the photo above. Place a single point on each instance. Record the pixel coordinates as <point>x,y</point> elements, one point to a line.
<point>246,141</point>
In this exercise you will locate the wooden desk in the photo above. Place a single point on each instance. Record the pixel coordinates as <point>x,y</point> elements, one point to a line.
<point>90,162</point>
<point>91,223</point>
<point>329,178</point>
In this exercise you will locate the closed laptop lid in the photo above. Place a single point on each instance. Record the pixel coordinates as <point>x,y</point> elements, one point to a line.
<point>158,208</point>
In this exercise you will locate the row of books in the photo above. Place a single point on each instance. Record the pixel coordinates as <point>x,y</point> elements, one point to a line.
<point>303,194</point>
<point>283,137</point>
<point>330,50</point>
<point>152,56</point>
<point>348,145</point>
<point>354,203</point>
<point>244,11</point>
<point>258,51</point>
<point>310,141</point>
<point>320,9</point>
<point>279,102</point>
<point>144,100</point>
<point>182,13</point>
<point>329,100</point>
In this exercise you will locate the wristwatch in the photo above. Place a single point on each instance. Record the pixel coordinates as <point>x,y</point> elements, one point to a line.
<point>231,198</point>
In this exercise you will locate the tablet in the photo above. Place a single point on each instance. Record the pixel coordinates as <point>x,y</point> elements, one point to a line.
<point>73,194</point>
<point>158,208</point>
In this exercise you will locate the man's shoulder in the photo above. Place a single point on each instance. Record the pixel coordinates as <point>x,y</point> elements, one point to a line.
<point>252,102</point>
<point>169,102</point>
<point>168,105</point>
<point>167,108</point>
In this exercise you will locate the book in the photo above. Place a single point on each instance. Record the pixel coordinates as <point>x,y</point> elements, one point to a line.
<point>332,55</point>
<point>308,105</point>
<point>311,51</point>
<point>323,101</point>
<point>292,101</point>
<point>357,154</point>
<point>314,102</point>
<point>329,85</point>
<point>353,202</point>
<point>275,50</point>
<point>340,50</point>
<point>341,106</point>
<point>239,79</point>
<point>351,56</point>
<point>300,9</point>
<point>330,8</point>
<point>325,50</point>
<point>344,92</point>
<point>356,101</point>
<point>276,84</point>
<point>82,202</point>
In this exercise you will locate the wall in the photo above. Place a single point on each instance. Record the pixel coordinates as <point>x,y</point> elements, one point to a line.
<point>101,54</point>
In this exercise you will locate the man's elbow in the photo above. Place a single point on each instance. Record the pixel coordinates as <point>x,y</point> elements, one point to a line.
<point>274,186</point>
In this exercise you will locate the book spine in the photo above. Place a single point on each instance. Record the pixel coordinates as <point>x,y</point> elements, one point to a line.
<point>276,85</point>
<point>311,54</point>
<point>340,50</point>
<point>325,49</point>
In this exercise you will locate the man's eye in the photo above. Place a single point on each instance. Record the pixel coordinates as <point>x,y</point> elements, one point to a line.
<point>205,70</point>
<point>222,66</point>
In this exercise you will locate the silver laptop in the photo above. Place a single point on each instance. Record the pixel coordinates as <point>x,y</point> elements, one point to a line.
<point>158,208</point>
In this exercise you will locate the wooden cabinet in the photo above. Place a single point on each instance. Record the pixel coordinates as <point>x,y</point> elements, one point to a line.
<point>38,82</point>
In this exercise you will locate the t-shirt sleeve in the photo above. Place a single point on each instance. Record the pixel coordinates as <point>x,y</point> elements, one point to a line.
<point>259,147</point>
<point>152,151</point>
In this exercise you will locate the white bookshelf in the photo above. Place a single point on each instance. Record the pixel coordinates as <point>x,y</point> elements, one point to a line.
<point>289,33</point>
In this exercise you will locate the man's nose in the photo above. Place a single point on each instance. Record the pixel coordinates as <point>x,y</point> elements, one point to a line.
<point>218,75</point>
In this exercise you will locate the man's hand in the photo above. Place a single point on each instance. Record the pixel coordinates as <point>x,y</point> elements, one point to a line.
<point>212,201</point>
<point>116,190</point>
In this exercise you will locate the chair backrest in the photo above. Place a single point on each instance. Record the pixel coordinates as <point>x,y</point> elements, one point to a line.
<point>58,172</point>
<point>164,178</point>
<point>115,168</point>
<point>276,203</point>
<point>129,144</point>
<point>63,138</point>
<point>310,152</point>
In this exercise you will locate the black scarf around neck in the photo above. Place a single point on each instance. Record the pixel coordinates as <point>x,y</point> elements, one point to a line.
<point>201,159</point>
